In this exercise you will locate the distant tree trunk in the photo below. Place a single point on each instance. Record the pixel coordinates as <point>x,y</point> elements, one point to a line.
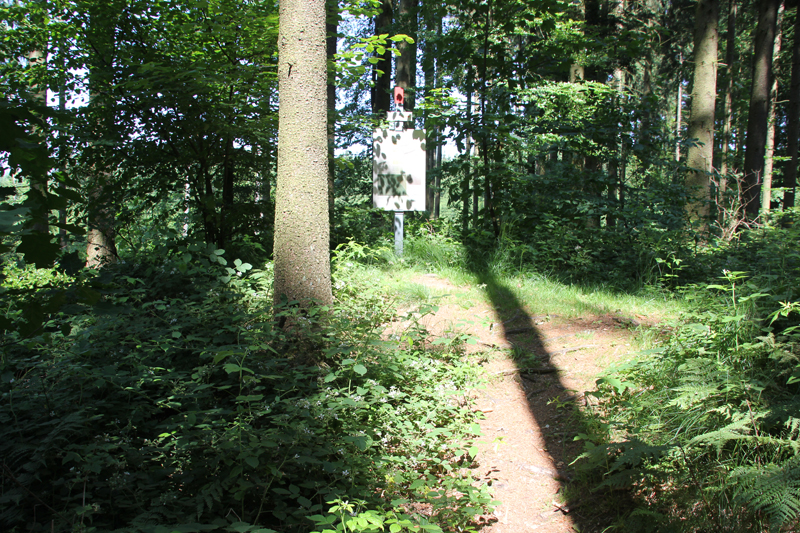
<point>701,121</point>
<point>429,72</point>
<point>766,188</point>
<point>40,217</point>
<point>759,106</point>
<point>62,108</point>
<point>331,31</point>
<point>679,113</point>
<point>225,229</point>
<point>101,235</point>
<point>381,97</point>
<point>727,121</point>
<point>101,246</point>
<point>406,63</point>
<point>793,120</point>
<point>302,240</point>
<point>465,190</point>
<point>437,69</point>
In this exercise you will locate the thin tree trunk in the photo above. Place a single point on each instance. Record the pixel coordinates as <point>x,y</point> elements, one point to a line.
<point>766,189</point>
<point>331,30</point>
<point>678,113</point>
<point>437,68</point>
<point>793,120</point>
<point>730,60</point>
<point>465,191</point>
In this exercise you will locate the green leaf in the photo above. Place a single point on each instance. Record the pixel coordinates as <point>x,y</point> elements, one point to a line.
<point>39,249</point>
<point>361,442</point>
<point>360,369</point>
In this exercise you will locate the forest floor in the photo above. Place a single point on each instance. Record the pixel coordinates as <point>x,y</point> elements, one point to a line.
<point>539,369</point>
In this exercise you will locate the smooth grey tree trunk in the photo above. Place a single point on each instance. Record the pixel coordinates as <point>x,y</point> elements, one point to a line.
<point>302,231</point>
<point>701,120</point>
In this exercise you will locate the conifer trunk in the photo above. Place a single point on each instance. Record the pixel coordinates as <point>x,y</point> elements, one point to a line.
<point>759,106</point>
<point>381,97</point>
<point>701,121</point>
<point>793,120</point>
<point>766,189</point>
<point>302,239</point>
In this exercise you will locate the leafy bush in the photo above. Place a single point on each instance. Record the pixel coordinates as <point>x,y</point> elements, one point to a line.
<point>174,402</point>
<point>705,431</point>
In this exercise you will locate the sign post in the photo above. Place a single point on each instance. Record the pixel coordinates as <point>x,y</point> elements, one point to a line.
<point>398,233</point>
<point>398,168</point>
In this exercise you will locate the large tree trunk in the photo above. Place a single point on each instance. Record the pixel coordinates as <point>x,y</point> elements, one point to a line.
<point>793,120</point>
<point>701,122</point>
<point>759,106</point>
<point>382,81</point>
<point>302,264</point>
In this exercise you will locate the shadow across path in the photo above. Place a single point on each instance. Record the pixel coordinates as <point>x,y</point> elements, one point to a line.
<point>530,460</point>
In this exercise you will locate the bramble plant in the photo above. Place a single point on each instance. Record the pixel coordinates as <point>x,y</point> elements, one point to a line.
<point>175,403</point>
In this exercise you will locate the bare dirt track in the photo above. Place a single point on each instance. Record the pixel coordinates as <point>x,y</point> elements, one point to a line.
<point>539,368</point>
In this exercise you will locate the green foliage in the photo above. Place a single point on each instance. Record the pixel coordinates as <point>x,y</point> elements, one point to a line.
<point>173,402</point>
<point>709,423</point>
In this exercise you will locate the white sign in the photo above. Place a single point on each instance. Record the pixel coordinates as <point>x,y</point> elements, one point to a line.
<point>398,170</point>
<point>399,116</point>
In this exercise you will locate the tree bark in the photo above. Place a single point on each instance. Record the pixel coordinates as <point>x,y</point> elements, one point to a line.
<point>679,113</point>
<point>331,31</point>
<point>406,64</point>
<point>793,120</point>
<point>701,121</point>
<point>302,239</point>
<point>382,82</point>
<point>766,189</point>
<point>727,121</point>
<point>759,106</point>
<point>101,235</point>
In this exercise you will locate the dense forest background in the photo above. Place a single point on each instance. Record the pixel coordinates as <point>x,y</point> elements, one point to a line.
<point>643,147</point>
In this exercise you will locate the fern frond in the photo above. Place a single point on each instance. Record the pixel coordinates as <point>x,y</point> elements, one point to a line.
<point>739,429</point>
<point>773,489</point>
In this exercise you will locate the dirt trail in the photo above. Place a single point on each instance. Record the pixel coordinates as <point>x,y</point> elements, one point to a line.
<point>530,421</point>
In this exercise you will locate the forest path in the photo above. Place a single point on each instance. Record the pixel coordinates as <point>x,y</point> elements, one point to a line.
<point>530,416</point>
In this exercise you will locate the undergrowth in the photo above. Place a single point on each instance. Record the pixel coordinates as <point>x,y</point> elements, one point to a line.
<point>160,396</point>
<point>704,431</point>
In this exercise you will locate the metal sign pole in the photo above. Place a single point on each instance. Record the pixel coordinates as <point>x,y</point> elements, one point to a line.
<point>398,215</point>
<point>398,233</point>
